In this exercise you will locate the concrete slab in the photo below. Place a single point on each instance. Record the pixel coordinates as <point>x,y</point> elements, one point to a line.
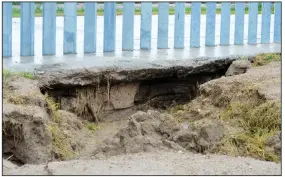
<point>138,59</point>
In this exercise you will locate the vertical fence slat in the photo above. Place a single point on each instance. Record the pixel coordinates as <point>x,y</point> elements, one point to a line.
<point>70,25</point>
<point>27,28</point>
<point>225,23</point>
<point>128,25</point>
<point>179,25</point>
<point>252,23</point>
<point>49,28</point>
<point>210,23</point>
<point>7,29</point>
<point>109,26</point>
<point>277,22</point>
<point>239,23</point>
<point>163,16</point>
<point>90,24</point>
<point>265,24</point>
<point>146,15</point>
<point>195,24</point>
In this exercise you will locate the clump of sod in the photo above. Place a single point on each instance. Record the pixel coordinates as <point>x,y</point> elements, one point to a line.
<point>259,120</point>
<point>266,58</point>
<point>60,142</point>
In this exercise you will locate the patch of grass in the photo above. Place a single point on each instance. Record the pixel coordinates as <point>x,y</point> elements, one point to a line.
<point>13,128</point>
<point>179,111</point>
<point>17,99</point>
<point>259,122</point>
<point>266,116</point>
<point>53,107</point>
<point>27,75</point>
<point>259,119</point>
<point>264,59</point>
<point>248,144</point>
<point>60,143</point>
<point>8,74</point>
<point>253,119</point>
<point>93,127</point>
<point>176,108</point>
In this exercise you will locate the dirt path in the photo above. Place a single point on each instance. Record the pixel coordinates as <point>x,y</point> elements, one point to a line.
<point>163,163</point>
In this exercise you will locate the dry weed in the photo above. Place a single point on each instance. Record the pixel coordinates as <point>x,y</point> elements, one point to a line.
<point>264,59</point>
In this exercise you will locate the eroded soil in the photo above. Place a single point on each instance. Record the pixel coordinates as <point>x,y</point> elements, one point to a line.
<point>145,139</point>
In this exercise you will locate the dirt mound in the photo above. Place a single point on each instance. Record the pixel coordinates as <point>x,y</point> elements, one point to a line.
<point>265,80</point>
<point>34,129</point>
<point>25,134</point>
<point>32,136</point>
<point>20,90</point>
<point>201,136</point>
<point>249,107</point>
<point>152,130</point>
<point>256,86</point>
<point>139,135</point>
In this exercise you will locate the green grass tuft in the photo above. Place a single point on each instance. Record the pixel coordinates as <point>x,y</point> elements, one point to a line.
<point>259,121</point>
<point>8,74</point>
<point>53,107</point>
<point>60,144</point>
<point>93,127</point>
<point>266,116</point>
<point>264,59</point>
<point>249,144</point>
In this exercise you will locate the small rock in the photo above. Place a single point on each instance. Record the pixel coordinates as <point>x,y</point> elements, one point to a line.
<point>238,67</point>
<point>168,125</point>
<point>273,144</point>
<point>140,116</point>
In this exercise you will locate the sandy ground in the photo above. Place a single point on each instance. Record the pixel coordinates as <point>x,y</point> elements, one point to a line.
<point>163,163</point>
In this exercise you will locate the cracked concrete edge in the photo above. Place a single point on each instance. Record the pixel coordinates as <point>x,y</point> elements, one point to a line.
<point>56,76</point>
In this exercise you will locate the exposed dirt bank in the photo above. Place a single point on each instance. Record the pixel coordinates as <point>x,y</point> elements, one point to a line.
<point>97,95</point>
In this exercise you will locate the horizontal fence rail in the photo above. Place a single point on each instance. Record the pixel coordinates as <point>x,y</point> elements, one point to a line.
<point>27,25</point>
